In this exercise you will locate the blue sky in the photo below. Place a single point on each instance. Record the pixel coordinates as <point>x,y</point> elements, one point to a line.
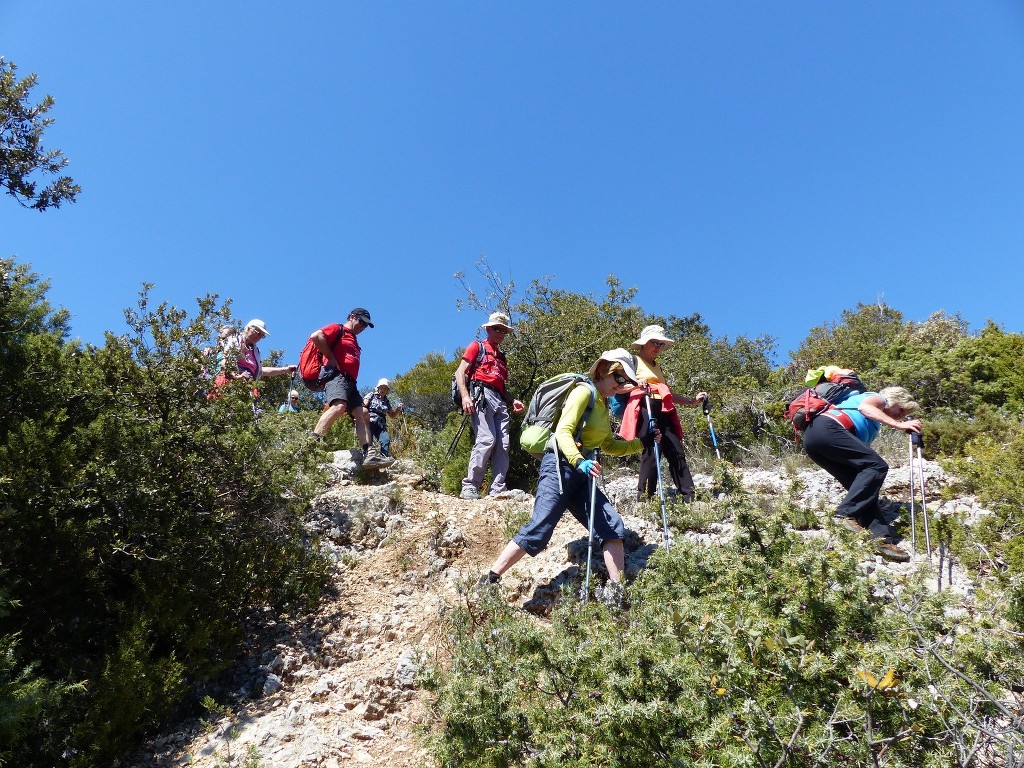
<point>767,164</point>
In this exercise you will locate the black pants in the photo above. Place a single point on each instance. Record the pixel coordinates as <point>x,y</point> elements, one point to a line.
<point>856,466</point>
<point>671,448</point>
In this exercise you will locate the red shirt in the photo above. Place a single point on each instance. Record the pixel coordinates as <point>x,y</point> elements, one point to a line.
<point>345,348</point>
<point>492,370</point>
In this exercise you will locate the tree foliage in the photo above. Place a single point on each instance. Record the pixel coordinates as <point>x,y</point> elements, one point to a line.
<point>144,523</point>
<point>22,156</point>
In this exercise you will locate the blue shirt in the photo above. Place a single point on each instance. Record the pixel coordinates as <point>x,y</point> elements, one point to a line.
<point>864,428</point>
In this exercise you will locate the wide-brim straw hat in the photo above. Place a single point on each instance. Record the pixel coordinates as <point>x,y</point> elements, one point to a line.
<point>652,333</point>
<point>621,356</point>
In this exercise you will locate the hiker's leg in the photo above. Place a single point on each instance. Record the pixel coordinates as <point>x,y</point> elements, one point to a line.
<point>609,530</point>
<point>330,415</point>
<point>615,559</point>
<point>854,464</point>
<point>647,483</point>
<point>362,426</point>
<point>510,555</point>
<point>384,439</point>
<point>671,447</point>
<point>549,505</point>
<point>483,447</point>
<point>500,423</point>
<point>338,396</point>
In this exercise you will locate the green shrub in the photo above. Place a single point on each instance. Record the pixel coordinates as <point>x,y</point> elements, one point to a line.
<point>770,650</point>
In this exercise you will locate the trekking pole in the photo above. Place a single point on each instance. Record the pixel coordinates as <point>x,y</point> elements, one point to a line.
<point>657,464</point>
<point>707,412</point>
<point>590,532</point>
<point>913,493</point>
<point>455,440</point>
<point>288,394</point>
<point>919,442</point>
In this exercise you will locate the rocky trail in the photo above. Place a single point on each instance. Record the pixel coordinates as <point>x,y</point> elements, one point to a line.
<point>338,687</point>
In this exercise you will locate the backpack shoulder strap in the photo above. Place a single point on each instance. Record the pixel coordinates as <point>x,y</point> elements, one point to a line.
<point>590,406</point>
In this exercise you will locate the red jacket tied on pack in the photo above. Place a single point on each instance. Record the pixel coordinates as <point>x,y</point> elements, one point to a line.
<point>631,418</point>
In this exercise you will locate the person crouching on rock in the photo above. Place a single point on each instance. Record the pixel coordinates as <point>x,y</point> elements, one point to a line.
<point>838,441</point>
<point>565,471</point>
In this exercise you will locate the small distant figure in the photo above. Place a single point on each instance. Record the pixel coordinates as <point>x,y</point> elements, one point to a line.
<point>379,407</point>
<point>240,358</point>
<point>340,352</point>
<point>292,406</point>
<point>484,370</point>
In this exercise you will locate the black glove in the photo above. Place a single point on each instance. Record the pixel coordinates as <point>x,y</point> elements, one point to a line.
<point>648,440</point>
<point>327,372</point>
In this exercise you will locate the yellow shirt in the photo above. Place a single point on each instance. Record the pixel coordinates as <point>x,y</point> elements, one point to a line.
<point>597,432</point>
<point>650,373</point>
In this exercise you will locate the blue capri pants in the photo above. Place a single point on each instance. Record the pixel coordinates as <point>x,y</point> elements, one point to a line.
<point>549,505</point>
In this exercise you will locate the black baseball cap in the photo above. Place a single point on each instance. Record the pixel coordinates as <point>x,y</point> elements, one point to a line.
<point>361,314</point>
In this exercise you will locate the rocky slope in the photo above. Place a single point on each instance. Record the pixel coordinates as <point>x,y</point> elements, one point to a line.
<point>337,688</point>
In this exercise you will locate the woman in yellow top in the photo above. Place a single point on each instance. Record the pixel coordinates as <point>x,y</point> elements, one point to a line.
<point>612,374</point>
<point>650,344</point>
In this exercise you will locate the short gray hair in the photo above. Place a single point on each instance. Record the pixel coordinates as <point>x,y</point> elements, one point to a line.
<point>900,397</point>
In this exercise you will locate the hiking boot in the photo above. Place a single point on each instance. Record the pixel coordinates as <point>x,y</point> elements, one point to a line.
<point>849,524</point>
<point>374,458</point>
<point>489,581</point>
<point>612,594</point>
<point>470,494</point>
<point>891,552</point>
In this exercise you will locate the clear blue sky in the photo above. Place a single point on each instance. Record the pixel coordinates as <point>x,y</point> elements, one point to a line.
<point>767,164</point>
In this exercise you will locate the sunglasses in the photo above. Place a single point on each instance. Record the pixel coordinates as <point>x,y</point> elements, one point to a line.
<point>658,344</point>
<point>621,380</point>
<point>498,328</point>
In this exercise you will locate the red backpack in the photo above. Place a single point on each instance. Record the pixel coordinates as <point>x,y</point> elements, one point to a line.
<point>822,398</point>
<point>310,361</point>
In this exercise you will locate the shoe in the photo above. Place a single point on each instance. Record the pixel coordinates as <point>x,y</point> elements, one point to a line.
<point>612,594</point>
<point>374,458</point>
<point>470,494</point>
<point>489,580</point>
<point>891,552</point>
<point>849,524</point>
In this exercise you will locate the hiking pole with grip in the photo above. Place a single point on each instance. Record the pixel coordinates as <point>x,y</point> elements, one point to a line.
<point>657,465</point>
<point>913,494</point>
<point>706,404</point>
<point>590,529</point>
<point>917,440</point>
<point>455,440</point>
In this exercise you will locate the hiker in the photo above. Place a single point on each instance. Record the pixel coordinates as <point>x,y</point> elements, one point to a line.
<point>379,407</point>
<point>838,441</point>
<point>565,471</point>
<point>481,378</point>
<point>340,353</point>
<point>292,406</point>
<point>240,357</point>
<point>663,404</point>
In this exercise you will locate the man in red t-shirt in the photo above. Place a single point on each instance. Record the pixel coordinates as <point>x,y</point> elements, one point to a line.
<point>340,350</point>
<point>491,419</point>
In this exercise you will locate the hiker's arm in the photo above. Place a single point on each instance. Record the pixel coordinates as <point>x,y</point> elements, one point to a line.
<point>872,406</point>
<point>319,339</point>
<point>463,385</point>
<point>573,408</point>
<point>278,370</point>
